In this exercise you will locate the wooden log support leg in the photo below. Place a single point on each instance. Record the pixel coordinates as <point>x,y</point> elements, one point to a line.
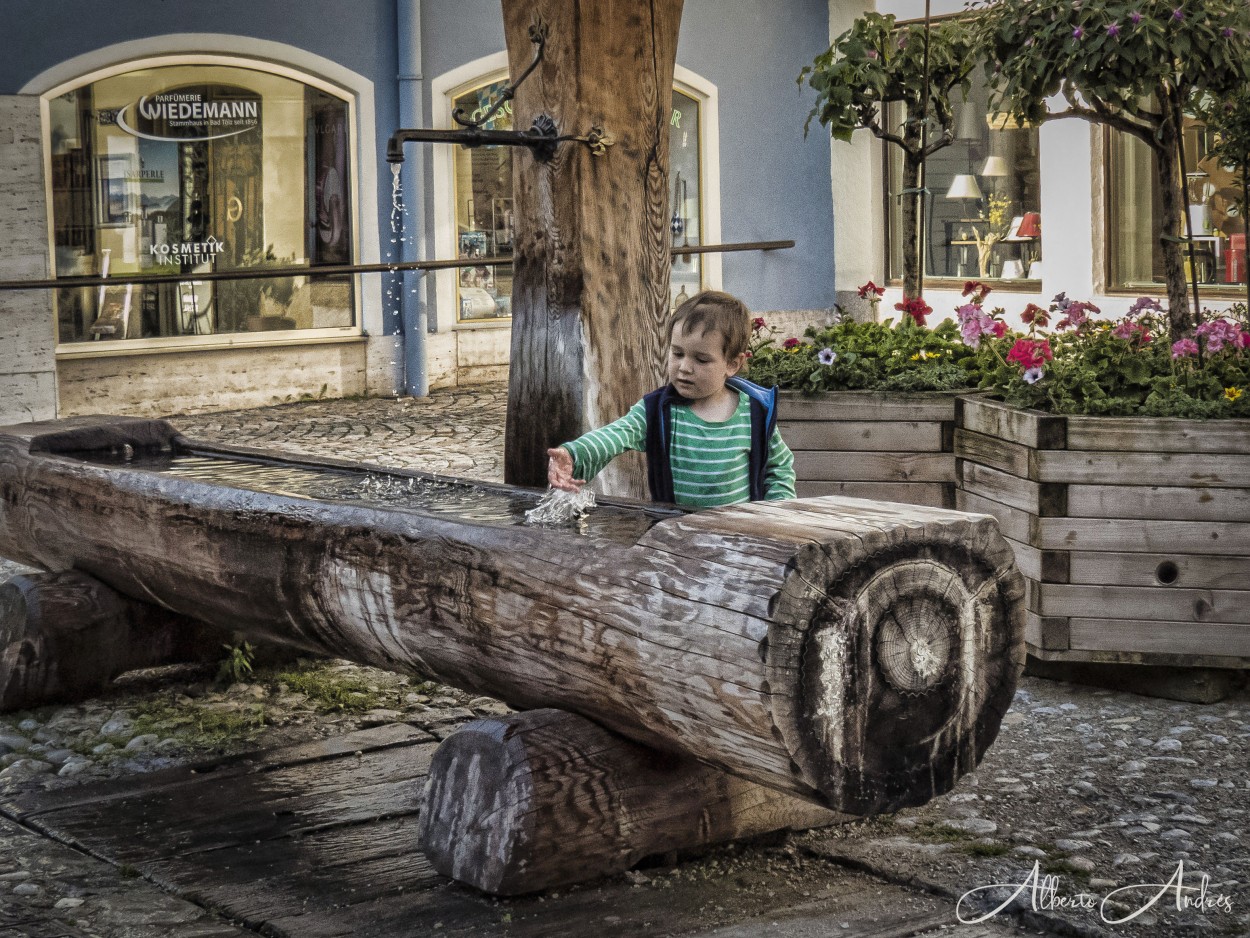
<point>65,636</point>
<point>546,798</point>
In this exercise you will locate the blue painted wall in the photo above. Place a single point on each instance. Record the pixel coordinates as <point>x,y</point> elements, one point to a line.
<point>774,182</point>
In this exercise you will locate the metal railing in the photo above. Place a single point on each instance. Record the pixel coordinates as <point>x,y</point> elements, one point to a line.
<point>255,273</point>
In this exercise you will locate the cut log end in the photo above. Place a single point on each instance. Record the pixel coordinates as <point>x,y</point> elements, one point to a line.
<point>905,672</point>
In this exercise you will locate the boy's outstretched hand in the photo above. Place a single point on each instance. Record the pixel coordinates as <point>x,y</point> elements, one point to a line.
<point>560,470</point>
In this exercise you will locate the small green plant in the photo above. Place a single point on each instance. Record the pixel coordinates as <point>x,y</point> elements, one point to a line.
<point>331,691</point>
<point>868,356</point>
<point>126,871</point>
<point>237,665</point>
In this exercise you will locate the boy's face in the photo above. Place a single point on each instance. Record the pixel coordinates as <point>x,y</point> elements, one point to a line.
<point>697,366</point>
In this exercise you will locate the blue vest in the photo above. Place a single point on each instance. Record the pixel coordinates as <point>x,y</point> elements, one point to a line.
<point>658,405</point>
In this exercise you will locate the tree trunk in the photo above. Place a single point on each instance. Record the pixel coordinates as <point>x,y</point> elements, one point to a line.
<point>910,210</point>
<point>1172,206</point>
<point>858,654</point>
<point>547,798</point>
<point>591,264</point>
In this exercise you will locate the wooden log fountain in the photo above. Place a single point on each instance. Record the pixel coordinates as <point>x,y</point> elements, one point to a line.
<point>855,654</point>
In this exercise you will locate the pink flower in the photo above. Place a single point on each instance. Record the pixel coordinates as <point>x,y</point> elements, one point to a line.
<point>758,324</point>
<point>1144,303</point>
<point>789,344</point>
<point>1184,348</point>
<point>999,329</point>
<point>1030,353</point>
<point>871,288</point>
<point>974,323</point>
<point>1219,332</point>
<point>1129,330</point>
<point>977,287</point>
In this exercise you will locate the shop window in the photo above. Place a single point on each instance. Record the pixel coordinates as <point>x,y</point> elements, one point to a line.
<point>486,221</point>
<point>983,207</point>
<point>179,170</point>
<point>1213,191</point>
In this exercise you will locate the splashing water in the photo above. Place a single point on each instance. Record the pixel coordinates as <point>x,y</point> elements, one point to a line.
<point>397,200</point>
<point>560,507</point>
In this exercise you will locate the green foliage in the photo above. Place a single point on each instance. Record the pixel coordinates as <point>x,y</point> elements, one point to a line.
<point>1109,57</point>
<point>237,665</point>
<point>1096,372</point>
<point>869,356</point>
<point>873,64</point>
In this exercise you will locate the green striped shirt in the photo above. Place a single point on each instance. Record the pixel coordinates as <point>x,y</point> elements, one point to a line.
<point>711,462</point>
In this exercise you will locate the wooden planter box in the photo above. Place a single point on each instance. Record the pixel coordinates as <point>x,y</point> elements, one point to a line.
<point>873,444</point>
<point>1133,533</point>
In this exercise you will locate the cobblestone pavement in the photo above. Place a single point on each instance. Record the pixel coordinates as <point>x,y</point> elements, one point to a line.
<point>1089,790</point>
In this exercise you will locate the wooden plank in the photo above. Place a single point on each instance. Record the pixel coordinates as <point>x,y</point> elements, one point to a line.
<point>1179,503</point>
<point>1015,524</point>
<point>1162,603</point>
<point>1045,499</point>
<point>875,467</point>
<point>284,802</point>
<point>1049,566</point>
<point>866,405</point>
<point>1159,435</point>
<point>1151,658</point>
<point>876,436</point>
<point>1213,571</point>
<point>1030,428</point>
<point>1046,632</point>
<point>29,804</point>
<point>928,494</point>
<point>1182,537</point>
<point>1224,640</point>
<point>993,452</point>
<point>1170,469</point>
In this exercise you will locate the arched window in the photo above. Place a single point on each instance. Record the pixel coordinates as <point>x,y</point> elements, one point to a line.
<point>482,207</point>
<point>179,169</point>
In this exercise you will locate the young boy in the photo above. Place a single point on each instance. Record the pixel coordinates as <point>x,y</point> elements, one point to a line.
<point>710,437</point>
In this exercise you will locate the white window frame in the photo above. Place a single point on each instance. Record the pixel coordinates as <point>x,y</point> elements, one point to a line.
<point>90,68</point>
<point>452,84</point>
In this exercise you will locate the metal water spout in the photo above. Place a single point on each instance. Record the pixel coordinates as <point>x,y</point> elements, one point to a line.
<point>541,138</point>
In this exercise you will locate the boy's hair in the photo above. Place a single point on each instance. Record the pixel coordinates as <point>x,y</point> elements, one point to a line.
<point>714,310</point>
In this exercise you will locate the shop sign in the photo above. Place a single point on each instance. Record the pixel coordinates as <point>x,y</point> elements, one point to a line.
<point>190,115</point>
<point>187,252</point>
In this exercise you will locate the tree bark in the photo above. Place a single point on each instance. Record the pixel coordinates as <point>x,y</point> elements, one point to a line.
<point>858,654</point>
<point>1172,206</point>
<point>909,211</point>
<point>591,264</point>
<point>547,798</point>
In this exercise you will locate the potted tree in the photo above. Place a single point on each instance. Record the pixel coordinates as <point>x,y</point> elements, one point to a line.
<point>874,65</point>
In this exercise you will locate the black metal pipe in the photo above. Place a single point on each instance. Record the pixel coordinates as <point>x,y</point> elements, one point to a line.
<point>541,138</point>
<point>265,273</point>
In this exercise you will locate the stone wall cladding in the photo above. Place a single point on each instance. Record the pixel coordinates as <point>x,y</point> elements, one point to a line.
<point>27,340</point>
